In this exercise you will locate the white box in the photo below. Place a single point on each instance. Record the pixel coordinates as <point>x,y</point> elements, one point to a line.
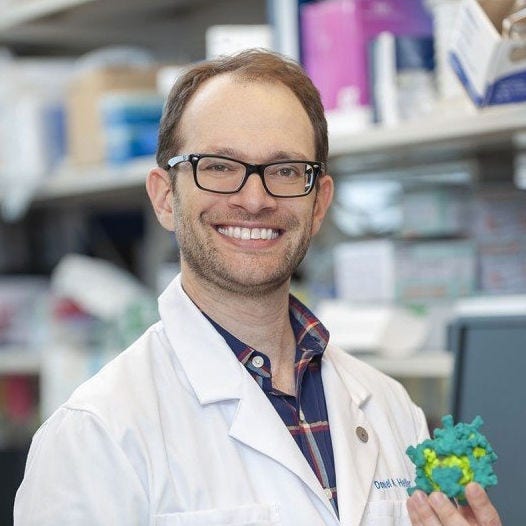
<point>364,271</point>
<point>403,271</point>
<point>492,68</point>
<point>230,39</point>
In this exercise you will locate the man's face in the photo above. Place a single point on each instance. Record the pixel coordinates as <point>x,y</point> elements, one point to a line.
<point>257,123</point>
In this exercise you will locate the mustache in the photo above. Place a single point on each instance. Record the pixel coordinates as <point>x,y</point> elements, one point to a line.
<point>271,219</point>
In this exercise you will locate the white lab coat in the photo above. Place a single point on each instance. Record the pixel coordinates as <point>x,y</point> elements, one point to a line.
<point>175,431</point>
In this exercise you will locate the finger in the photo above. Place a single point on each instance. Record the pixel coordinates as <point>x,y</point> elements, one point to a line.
<point>446,511</point>
<point>422,511</point>
<point>481,506</point>
<point>466,512</point>
<point>413,513</point>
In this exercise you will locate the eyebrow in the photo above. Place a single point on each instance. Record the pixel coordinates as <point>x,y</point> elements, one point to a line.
<point>280,155</point>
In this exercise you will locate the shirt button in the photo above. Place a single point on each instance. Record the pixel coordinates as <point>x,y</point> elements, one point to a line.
<point>258,361</point>
<point>328,492</point>
<point>362,434</point>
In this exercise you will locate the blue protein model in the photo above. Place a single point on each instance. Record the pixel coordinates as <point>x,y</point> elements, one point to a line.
<point>457,454</point>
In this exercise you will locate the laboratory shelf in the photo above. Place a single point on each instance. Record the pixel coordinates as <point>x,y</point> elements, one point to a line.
<point>171,29</point>
<point>15,14</point>
<point>485,126</point>
<point>423,364</point>
<point>74,181</point>
<point>18,360</point>
<point>464,129</point>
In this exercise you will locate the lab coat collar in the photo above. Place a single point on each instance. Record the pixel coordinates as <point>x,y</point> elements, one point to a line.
<point>216,375</point>
<point>355,457</point>
<point>204,355</point>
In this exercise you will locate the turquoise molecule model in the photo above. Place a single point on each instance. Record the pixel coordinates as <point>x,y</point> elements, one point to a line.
<point>456,455</point>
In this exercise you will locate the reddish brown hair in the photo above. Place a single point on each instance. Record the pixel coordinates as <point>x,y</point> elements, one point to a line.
<point>251,65</point>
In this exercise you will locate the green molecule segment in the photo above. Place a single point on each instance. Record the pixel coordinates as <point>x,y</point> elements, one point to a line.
<point>456,455</point>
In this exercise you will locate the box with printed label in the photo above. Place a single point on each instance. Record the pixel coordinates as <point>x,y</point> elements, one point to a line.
<point>335,37</point>
<point>488,52</point>
<point>87,141</point>
<point>385,270</point>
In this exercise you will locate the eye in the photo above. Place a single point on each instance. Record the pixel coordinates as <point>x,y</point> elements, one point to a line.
<point>288,171</point>
<point>285,171</point>
<point>216,167</point>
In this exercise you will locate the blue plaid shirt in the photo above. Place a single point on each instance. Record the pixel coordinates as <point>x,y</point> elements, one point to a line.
<point>305,414</point>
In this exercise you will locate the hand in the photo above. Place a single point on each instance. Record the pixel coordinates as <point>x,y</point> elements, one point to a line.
<point>436,509</point>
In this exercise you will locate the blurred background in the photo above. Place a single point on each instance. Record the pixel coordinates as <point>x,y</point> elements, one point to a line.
<point>429,220</point>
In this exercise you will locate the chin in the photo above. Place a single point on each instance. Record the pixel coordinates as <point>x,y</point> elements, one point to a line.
<point>251,286</point>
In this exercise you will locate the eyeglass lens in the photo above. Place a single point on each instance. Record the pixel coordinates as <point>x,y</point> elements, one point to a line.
<point>282,179</point>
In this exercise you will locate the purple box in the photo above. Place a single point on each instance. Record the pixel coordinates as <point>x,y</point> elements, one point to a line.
<point>335,39</point>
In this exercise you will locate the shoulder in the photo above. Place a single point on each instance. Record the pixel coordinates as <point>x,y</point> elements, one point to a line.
<point>125,391</point>
<point>379,393</point>
<point>368,375</point>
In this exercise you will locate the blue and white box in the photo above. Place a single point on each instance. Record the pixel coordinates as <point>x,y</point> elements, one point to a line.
<point>491,67</point>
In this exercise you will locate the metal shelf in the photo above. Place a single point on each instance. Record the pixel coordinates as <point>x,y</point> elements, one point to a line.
<point>78,182</point>
<point>18,360</point>
<point>425,364</point>
<point>422,365</point>
<point>437,138</point>
<point>32,10</point>
<point>171,29</point>
<point>469,127</point>
<point>487,124</point>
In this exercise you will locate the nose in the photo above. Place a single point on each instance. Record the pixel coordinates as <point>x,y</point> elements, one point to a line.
<point>253,197</point>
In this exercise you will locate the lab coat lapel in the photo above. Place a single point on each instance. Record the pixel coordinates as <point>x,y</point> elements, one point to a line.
<point>216,375</point>
<point>355,455</point>
<point>258,426</point>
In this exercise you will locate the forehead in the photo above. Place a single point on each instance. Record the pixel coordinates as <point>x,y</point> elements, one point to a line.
<point>245,115</point>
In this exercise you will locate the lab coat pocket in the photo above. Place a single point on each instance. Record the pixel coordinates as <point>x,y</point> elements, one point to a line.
<point>248,515</point>
<point>386,513</point>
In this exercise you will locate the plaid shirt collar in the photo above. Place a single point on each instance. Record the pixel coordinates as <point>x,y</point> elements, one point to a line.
<point>311,340</point>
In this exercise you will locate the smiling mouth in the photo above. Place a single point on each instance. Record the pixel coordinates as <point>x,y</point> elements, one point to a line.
<point>244,233</point>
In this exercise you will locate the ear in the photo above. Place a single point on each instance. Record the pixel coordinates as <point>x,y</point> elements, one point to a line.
<point>160,193</point>
<point>324,194</point>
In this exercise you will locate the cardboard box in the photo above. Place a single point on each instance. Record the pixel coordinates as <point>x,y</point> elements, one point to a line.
<point>85,126</point>
<point>492,68</point>
<point>502,267</point>
<point>395,271</point>
<point>427,270</point>
<point>499,214</point>
<point>229,39</point>
<point>441,210</point>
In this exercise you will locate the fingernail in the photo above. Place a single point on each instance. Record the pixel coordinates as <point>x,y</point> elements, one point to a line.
<point>438,498</point>
<point>420,497</point>
<point>474,489</point>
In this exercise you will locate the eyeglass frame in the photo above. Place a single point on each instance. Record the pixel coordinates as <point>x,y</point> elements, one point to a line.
<point>318,170</point>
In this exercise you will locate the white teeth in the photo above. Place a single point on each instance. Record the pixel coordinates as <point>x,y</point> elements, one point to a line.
<point>248,233</point>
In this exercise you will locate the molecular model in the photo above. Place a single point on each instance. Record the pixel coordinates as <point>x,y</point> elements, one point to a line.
<point>458,454</point>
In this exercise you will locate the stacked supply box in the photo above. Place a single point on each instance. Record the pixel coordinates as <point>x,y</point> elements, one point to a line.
<point>403,271</point>
<point>336,35</point>
<point>130,123</point>
<point>434,270</point>
<point>489,60</point>
<point>435,210</point>
<point>110,112</point>
<point>500,235</point>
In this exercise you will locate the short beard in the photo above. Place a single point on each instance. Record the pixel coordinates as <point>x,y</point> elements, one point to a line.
<point>206,263</point>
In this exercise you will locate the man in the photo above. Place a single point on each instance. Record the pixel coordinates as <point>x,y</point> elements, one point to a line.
<point>233,409</point>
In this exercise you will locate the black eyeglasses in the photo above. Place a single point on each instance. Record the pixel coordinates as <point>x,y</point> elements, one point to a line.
<point>223,175</point>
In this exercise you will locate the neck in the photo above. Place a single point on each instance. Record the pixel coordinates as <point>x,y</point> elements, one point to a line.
<point>262,321</point>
